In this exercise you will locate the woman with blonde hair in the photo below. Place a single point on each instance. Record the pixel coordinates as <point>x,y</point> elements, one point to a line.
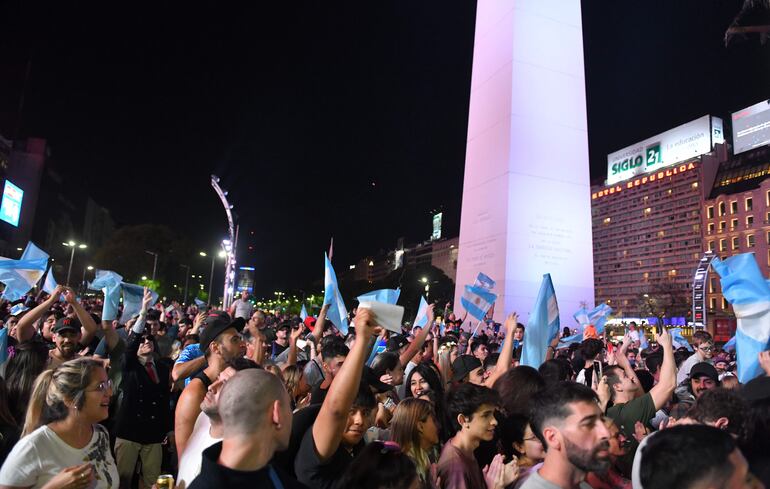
<point>62,446</point>
<point>415,429</point>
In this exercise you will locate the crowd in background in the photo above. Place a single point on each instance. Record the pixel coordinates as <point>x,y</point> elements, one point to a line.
<point>253,398</point>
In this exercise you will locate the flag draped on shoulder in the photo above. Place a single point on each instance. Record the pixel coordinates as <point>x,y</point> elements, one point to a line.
<point>747,290</point>
<point>477,300</point>
<point>387,296</point>
<point>109,283</point>
<point>542,326</point>
<point>337,313</point>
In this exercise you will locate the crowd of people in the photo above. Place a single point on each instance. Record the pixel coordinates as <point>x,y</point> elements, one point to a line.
<point>252,398</point>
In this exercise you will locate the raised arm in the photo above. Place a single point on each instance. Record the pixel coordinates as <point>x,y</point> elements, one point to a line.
<point>110,335</point>
<point>661,392</point>
<point>88,325</point>
<point>333,416</point>
<point>318,329</point>
<point>622,360</point>
<point>293,337</point>
<point>25,328</point>
<point>506,354</point>
<point>416,345</point>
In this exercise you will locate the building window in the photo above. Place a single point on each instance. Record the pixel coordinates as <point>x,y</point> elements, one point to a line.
<point>721,209</point>
<point>711,243</point>
<point>710,210</point>
<point>750,240</point>
<point>713,303</point>
<point>722,244</point>
<point>749,221</point>
<point>725,304</point>
<point>734,207</point>
<point>721,226</point>
<point>735,242</point>
<point>767,198</point>
<point>712,285</point>
<point>733,224</point>
<point>768,237</point>
<point>749,204</point>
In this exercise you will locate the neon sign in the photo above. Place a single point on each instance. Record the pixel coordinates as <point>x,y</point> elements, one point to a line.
<point>669,172</point>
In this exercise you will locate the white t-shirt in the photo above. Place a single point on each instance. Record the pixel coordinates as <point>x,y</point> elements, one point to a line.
<point>41,455</point>
<point>243,309</point>
<point>190,461</point>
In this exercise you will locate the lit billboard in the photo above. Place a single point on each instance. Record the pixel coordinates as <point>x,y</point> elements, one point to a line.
<point>668,148</point>
<point>751,127</point>
<point>10,206</point>
<point>245,279</point>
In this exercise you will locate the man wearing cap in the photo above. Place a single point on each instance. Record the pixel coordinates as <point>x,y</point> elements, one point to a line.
<point>281,342</point>
<point>221,342</point>
<point>703,376</point>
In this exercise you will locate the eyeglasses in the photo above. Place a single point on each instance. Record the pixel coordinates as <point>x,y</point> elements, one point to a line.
<point>706,348</point>
<point>102,387</point>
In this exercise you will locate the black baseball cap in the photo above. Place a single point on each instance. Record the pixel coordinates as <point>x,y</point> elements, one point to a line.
<point>756,389</point>
<point>704,369</point>
<point>370,378</point>
<point>396,342</point>
<point>216,323</point>
<point>463,365</point>
<point>67,324</point>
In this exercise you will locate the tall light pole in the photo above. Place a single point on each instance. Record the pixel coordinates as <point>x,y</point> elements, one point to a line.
<point>154,263</point>
<point>186,281</point>
<point>83,282</point>
<point>229,244</point>
<point>221,254</point>
<point>71,244</point>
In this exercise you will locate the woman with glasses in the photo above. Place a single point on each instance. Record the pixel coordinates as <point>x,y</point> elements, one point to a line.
<point>415,429</point>
<point>62,446</point>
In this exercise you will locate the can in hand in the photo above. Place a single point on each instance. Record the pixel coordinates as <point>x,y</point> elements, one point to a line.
<point>165,481</point>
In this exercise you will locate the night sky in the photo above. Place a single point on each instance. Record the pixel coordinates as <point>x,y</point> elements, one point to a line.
<point>324,121</point>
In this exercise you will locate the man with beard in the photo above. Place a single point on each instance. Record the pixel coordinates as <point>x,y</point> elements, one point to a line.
<point>612,478</point>
<point>208,426</point>
<point>567,419</point>
<point>221,342</point>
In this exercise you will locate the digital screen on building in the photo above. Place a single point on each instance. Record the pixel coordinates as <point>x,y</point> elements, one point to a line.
<point>10,206</point>
<point>436,234</point>
<point>751,127</point>
<point>245,280</point>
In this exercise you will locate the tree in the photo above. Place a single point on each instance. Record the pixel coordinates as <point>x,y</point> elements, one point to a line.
<point>664,299</point>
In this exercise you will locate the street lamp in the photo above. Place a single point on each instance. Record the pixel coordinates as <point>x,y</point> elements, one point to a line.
<point>72,245</point>
<point>154,263</point>
<point>230,245</point>
<point>88,268</point>
<point>221,254</point>
<point>186,281</point>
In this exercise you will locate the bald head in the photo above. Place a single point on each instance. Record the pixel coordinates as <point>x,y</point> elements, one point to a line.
<point>247,403</point>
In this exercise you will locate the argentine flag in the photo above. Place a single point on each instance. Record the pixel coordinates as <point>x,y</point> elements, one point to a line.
<point>197,301</point>
<point>542,326</point>
<point>303,313</point>
<point>49,284</point>
<point>422,313</point>
<point>747,290</point>
<point>387,296</point>
<point>477,301</point>
<point>596,316</point>
<point>108,282</point>
<point>337,313</point>
<point>132,300</point>
<point>483,280</point>
<point>677,340</point>
<point>730,345</point>
<point>19,276</point>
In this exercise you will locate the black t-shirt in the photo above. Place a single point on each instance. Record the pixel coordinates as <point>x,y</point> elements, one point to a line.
<point>277,349</point>
<point>312,472</point>
<point>216,476</point>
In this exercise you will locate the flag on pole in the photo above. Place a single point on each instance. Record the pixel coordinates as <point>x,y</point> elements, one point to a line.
<point>337,313</point>
<point>477,301</point>
<point>331,248</point>
<point>387,296</point>
<point>303,313</point>
<point>483,280</point>
<point>132,300</point>
<point>542,326</point>
<point>596,316</point>
<point>109,283</point>
<point>422,313</point>
<point>19,276</point>
<point>747,290</point>
<point>677,340</point>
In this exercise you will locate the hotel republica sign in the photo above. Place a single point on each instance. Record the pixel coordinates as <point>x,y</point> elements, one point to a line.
<point>669,148</point>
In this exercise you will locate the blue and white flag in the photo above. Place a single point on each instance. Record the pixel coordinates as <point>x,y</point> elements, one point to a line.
<point>109,283</point>
<point>730,345</point>
<point>199,302</point>
<point>747,290</point>
<point>643,343</point>
<point>575,338</point>
<point>132,300</point>
<point>387,296</point>
<point>422,313</point>
<point>19,276</point>
<point>303,313</point>
<point>677,340</point>
<point>477,301</point>
<point>485,281</point>
<point>18,309</point>
<point>542,326</point>
<point>49,284</point>
<point>379,347</point>
<point>596,316</point>
<point>337,312</point>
